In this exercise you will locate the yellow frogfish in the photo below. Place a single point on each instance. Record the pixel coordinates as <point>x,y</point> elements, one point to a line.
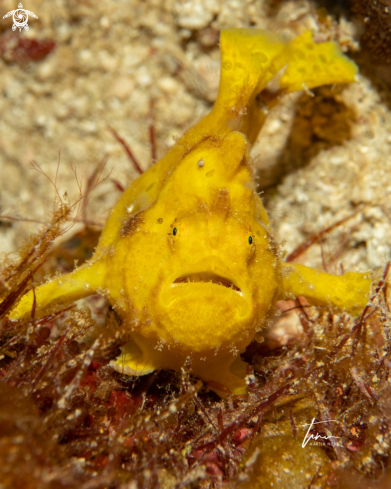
<point>187,258</point>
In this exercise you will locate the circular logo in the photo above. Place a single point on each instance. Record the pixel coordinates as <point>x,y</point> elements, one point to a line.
<point>20,18</point>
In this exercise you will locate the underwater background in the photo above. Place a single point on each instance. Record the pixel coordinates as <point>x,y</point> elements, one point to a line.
<point>90,82</point>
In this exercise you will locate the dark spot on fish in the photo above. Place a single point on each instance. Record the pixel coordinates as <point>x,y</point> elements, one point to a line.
<point>131,224</point>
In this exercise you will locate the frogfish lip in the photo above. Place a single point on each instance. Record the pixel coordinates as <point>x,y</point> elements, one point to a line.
<point>209,282</point>
<point>207,277</point>
<point>212,288</point>
<point>208,285</point>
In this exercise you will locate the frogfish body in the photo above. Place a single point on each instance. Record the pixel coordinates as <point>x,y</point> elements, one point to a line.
<point>187,258</point>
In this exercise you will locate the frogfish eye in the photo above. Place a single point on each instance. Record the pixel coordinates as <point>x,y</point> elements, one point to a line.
<point>174,231</point>
<point>250,239</point>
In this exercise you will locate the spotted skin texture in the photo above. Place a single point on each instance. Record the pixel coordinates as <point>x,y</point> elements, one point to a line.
<point>187,258</point>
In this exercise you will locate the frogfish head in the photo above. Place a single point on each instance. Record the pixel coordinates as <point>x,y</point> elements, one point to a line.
<point>207,270</point>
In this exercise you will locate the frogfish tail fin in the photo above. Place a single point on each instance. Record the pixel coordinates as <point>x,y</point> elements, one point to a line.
<point>250,58</point>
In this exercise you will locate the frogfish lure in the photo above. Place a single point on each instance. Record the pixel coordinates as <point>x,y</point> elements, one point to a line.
<point>187,258</point>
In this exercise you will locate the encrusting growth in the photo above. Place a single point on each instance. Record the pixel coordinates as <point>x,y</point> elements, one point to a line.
<point>187,258</point>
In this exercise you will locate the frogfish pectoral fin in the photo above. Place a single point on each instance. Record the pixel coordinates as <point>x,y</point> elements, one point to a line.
<point>133,361</point>
<point>227,376</point>
<point>61,292</point>
<point>348,292</point>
